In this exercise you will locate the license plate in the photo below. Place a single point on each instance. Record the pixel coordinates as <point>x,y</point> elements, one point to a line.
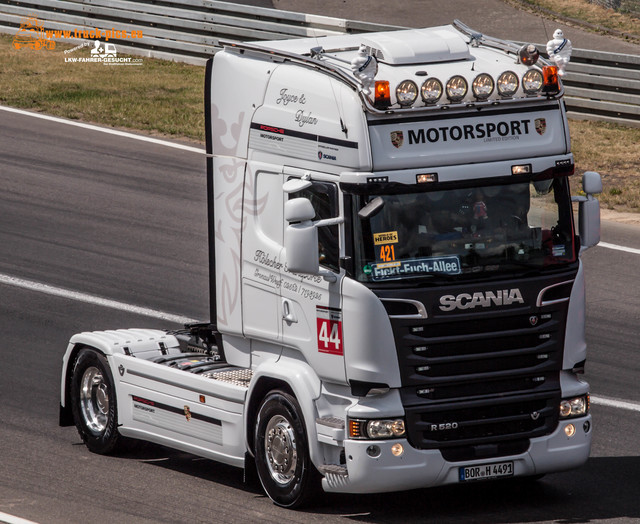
<point>486,471</point>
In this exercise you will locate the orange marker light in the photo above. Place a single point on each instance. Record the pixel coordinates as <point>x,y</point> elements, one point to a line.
<point>383,94</point>
<point>551,83</point>
<point>354,429</point>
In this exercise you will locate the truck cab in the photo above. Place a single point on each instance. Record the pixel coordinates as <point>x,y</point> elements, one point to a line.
<point>397,297</point>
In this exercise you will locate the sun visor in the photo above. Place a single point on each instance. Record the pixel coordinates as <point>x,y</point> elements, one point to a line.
<point>419,46</point>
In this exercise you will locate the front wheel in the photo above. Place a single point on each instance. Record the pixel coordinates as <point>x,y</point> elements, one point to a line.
<point>93,402</point>
<point>282,457</point>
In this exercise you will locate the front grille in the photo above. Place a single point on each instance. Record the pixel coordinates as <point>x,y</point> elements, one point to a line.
<point>439,352</point>
<point>482,422</point>
<point>481,381</point>
<point>465,389</point>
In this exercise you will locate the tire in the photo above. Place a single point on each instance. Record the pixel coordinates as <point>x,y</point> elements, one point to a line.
<point>93,403</point>
<point>282,453</point>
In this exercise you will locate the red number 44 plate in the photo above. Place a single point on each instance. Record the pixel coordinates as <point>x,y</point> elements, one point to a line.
<point>329,323</point>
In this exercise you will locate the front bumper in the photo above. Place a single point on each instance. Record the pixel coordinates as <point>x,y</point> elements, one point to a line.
<point>424,468</point>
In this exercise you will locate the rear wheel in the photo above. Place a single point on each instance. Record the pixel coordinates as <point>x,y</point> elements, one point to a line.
<point>281,449</point>
<point>93,402</point>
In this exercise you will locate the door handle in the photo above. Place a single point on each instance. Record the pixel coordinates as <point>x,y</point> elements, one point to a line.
<point>287,311</point>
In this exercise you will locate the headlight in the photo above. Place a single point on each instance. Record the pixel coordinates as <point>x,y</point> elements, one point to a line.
<point>406,92</point>
<point>376,429</point>
<point>482,86</point>
<point>457,88</point>
<point>431,90</point>
<point>532,81</point>
<point>574,407</point>
<point>508,83</point>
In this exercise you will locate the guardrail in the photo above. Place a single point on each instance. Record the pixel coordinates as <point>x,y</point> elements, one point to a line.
<point>182,30</point>
<point>603,86</point>
<point>599,86</point>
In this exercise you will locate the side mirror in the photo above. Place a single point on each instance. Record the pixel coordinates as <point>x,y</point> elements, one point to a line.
<point>301,237</point>
<point>591,183</point>
<point>589,210</point>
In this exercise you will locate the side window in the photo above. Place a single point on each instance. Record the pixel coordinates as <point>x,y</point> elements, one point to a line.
<point>324,198</point>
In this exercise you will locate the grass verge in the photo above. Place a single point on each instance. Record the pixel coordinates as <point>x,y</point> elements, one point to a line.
<point>625,20</point>
<point>158,96</point>
<point>613,151</point>
<point>166,98</point>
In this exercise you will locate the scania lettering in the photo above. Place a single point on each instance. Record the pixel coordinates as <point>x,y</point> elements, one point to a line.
<point>396,292</point>
<point>467,301</point>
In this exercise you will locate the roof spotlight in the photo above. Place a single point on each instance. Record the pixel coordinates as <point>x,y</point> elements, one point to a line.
<point>528,54</point>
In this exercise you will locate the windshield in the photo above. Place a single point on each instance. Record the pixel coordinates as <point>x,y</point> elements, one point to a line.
<point>455,232</point>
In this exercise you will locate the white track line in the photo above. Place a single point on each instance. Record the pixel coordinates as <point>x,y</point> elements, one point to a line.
<point>105,130</point>
<point>614,403</point>
<point>91,299</point>
<point>83,297</point>
<point>10,519</point>
<point>620,248</point>
<point>137,310</point>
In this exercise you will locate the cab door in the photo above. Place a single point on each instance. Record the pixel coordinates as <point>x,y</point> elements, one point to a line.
<point>262,263</point>
<point>311,305</point>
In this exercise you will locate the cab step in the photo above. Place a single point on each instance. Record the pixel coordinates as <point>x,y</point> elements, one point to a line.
<point>333,469</point>
<point>330,430</point>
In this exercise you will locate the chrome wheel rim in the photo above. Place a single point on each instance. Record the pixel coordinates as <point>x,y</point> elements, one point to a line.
<point>94,400</point>
<point>280,449</point>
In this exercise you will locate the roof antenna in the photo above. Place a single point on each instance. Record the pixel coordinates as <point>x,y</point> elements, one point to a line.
<point>318,54</point>
<point>546,34</point>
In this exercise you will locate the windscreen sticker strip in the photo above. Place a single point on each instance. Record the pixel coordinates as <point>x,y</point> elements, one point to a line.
<point>390,237</point>
<point>282,132</point>
<point>447,265</point>
<point>308,146</point>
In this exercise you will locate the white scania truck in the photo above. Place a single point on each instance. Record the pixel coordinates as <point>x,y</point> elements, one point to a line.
<point>397,298</point>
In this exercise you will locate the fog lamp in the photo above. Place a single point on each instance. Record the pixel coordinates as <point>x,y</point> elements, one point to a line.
<point>431,90</point>
<point>532,81</point>
<point>406,92</point>
<point>397,449</point>
<point>482,86</point>
<point>508,83</point>
<point>457,88</point>
<point>373,451</point>
<point>570,430</point>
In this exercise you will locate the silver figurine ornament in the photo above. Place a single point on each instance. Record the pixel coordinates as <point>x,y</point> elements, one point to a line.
<point>559,50</point>
<point>365,67</point>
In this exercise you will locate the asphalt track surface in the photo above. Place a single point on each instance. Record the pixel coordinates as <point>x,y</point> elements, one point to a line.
<point>124,220</point>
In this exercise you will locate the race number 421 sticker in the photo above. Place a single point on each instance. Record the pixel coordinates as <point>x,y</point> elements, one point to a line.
<point>329,322</point>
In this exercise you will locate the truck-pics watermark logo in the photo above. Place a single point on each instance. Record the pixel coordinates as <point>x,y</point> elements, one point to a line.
<point>32,34</point>
<point>102,52</point>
